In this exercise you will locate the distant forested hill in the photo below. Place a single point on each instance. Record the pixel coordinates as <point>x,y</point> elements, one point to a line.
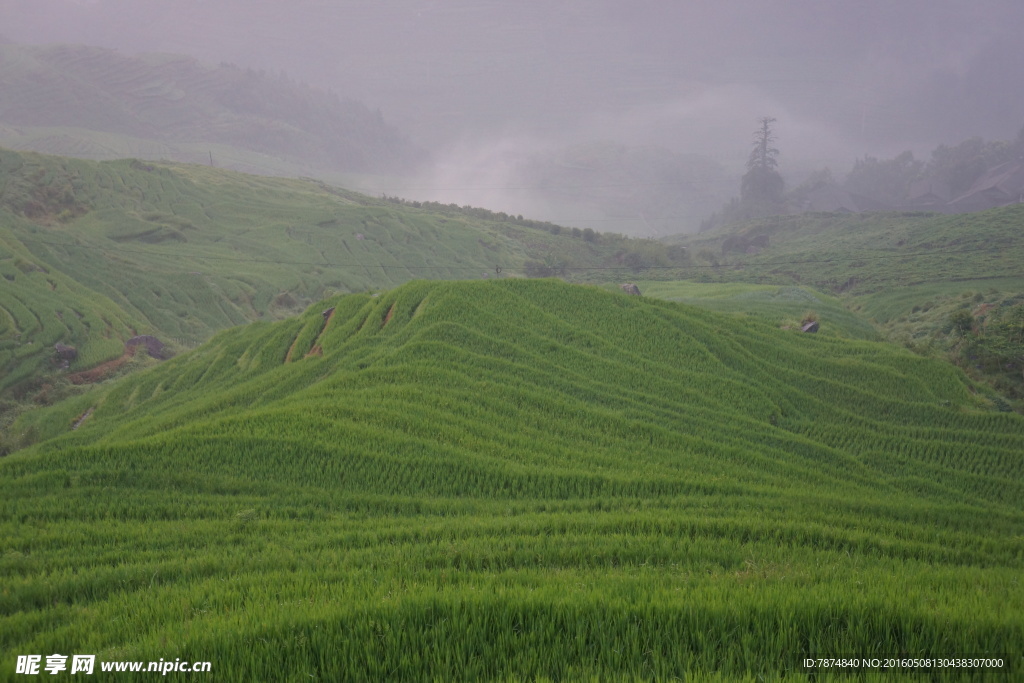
<point>98,103</point>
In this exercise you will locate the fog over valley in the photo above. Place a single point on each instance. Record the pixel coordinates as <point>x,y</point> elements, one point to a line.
<point>540,108</point>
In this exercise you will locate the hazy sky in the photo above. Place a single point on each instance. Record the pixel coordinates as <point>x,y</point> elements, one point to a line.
<point>481,77</point>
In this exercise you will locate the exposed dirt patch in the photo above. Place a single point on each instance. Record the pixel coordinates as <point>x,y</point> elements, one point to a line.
<point>316,350</point>
<point>103,370</point>
<point>387,318</point>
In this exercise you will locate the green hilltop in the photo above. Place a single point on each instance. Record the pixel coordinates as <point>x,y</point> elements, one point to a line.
<point>519,480</point>
<point>94,253</point>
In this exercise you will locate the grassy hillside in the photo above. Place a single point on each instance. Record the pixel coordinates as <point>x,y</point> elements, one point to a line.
<point>94,253</point>
<point>98,103</point>
<point>786,306</point>
<point>910,274</point>
<point>867,253</point>
<point>519,480</point>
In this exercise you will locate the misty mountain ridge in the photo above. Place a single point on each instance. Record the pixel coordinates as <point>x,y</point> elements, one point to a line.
<point>973,175</point>
<point>873,77</point>
<point>98,103</point>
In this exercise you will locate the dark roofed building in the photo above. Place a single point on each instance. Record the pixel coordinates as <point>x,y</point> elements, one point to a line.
<point>927,195</point>
<point>999,186</point>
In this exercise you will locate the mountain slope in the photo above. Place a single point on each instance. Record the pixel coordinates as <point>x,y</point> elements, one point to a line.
<point>94,253</point>
<point>867,253</point>
<point>913,275</point>
<point>69,99</point>
<point>517,479</point>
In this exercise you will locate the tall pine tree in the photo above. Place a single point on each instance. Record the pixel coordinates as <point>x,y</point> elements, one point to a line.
<point>762,186</point>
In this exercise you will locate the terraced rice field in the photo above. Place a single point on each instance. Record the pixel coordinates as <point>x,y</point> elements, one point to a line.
<point>92,254</point>
<point>520,480</point>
